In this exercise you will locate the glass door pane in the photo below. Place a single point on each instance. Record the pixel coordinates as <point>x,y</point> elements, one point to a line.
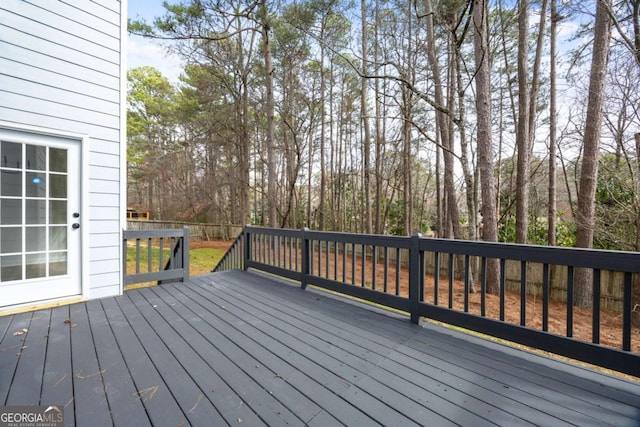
<point>34,219</point>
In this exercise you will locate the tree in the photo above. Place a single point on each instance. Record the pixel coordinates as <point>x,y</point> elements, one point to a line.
<point>364,113</point>
<point>484,141</point>
<point>150,98</point>
<point>553,117</point>
<point>196,25</point>
<point>522,134</point>
<point>591,140</point>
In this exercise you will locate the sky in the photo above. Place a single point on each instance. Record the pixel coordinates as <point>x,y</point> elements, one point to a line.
<point>141,51</point>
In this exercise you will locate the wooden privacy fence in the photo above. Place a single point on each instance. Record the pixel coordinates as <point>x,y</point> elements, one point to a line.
<point>197,231</point>
<point>392,271</point>
<point>160,255</point>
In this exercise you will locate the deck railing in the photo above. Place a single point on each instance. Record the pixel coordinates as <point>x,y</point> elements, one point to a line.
<point>160,255</point>
<point>446,280</point>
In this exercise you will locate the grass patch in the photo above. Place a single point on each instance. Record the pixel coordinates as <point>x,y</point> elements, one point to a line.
<point>202,260</point>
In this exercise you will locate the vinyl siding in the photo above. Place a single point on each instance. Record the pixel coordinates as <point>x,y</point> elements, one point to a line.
<point>60,65</point>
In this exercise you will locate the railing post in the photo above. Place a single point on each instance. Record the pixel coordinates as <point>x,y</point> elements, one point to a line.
<point>305,257</point>
<point>247,247</point>
<point>185,253</point>
<point>414,278</point>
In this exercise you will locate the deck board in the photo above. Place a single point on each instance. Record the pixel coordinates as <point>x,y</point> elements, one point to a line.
<point>31,365</point>
<point>240,348</point>
<point>57,380</point>
<point>11,350</point>
<point>90,401</point>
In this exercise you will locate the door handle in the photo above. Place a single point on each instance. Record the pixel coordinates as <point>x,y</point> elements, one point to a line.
<point>75,226</point>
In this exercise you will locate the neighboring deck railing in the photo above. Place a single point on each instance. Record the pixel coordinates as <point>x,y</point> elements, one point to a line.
<point>399,272</point>
<point>160,255</point>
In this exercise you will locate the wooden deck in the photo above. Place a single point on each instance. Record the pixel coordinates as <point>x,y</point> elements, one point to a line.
<point>239,348</point>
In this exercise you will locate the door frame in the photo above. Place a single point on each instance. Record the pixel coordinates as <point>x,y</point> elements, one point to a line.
<point>83,141</point>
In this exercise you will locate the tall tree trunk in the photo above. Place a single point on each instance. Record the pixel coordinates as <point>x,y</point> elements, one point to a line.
<point>443,127</point>
<point>323,179</point>
<point>310,180</point>
<point>553,118</point>
<point>636,282</point>
<point>270,137</point>
<point>585,219</point>
<point>407,115</point>
<point>407,96</point>
<point>522,135</point>
<point>485,148</point>
<point>464,145</point>
<point>365,122</point>
<point>245,144</point>
<point>535,76</point>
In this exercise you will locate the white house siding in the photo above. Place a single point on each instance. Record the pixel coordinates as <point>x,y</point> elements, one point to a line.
<point>60,68</point>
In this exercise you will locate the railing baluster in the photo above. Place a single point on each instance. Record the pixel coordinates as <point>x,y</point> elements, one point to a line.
<point>279,251</point>
<point>545,297</point>
<point>467,283</point>
<point>627,307</point>
<point>271,250</point>
<point>297,252</point>
<point>364,266</point>
<point>327,258</point>
<point>305,257</point>
<point>353,264</point>
<point>149,256</point>
<point>344,262</point>
<point>570,278</point>
<point>386,269</point>
<point>335,260</point>
<point>137,256</point>
<point>319,258</point>
<point>422,273</point>
<point>595,326</point>
<point>436,278</point>
<point>483,286</point>
<point>503,285</point>
<point>374,263</point>
<point>398,264</point>
<point>312,248</point>
<point>451,280</point>
<point>523,293</point>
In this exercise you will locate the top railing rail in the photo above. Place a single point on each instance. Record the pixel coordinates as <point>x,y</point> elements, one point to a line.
<point>446,280</point>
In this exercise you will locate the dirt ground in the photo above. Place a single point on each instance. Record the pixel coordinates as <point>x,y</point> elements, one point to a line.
<point>610,322</point>
<point>215,244</point>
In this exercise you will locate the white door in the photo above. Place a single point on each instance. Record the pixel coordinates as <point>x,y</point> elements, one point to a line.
<point>40,218</point>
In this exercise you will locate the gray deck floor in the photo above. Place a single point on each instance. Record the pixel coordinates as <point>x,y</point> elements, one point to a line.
<point>239,348</point>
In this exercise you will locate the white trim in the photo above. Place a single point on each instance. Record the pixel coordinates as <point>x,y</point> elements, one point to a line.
<point>84,218</point>
<point>123,135</point>
<point>18,127</point>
